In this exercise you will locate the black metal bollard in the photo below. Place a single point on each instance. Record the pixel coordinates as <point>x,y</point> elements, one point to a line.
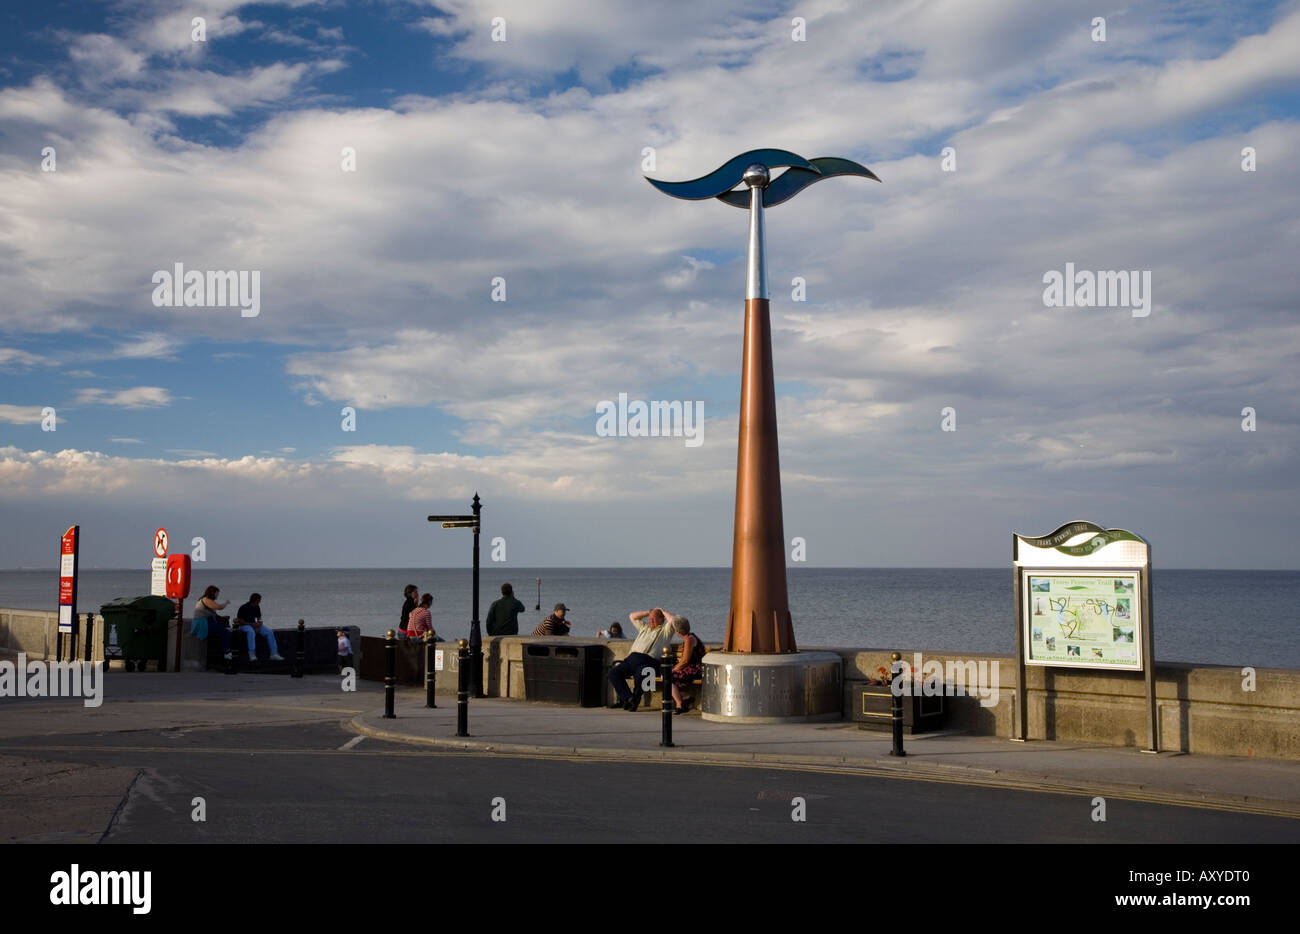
<point>462,688</point>
<point>430,675</point>
<point>300,661</point>
<point>666,666</point>
<point>232,663</point>
<point>90,640</point>
<point>896,703</point>
<point>390,674</point>
<point>476,659</point>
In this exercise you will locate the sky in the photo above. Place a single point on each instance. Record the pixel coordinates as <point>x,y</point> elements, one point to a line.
<point>389,170</point>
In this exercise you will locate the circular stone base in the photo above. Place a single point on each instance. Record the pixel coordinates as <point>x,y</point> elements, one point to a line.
<point>798,687</point>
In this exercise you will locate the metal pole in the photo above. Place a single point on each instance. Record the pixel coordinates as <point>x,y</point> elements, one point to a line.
<point>666,666</point>
<point>300,661</point>
<point>896,703</point>
<point>1019,729</point>
<point>234,648</point>
<point>180,625</point>
<point>430,674</point>
<point>475,635</point>
<point>390,674</point>
<point>1149,658</point>
<point>90,642</point>
<point>462,688</point>
<point>539,594</point>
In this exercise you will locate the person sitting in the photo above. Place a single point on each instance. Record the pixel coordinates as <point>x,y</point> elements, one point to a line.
<point>691,664</point>
<point>615,631</point>
<point>555,624</point>
<point>345,650</point>
<point>503,615</point>
<point>410,594</point>
<point>652,634</point>
<point>206,610</point>
<point>421,620</point>
<point>250,616</point>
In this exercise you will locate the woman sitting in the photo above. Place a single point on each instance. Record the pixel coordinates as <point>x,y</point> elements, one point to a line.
<point>690,664</point>
<point>421,620</point>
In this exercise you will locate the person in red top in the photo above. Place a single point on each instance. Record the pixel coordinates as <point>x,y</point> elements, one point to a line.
<point>421,620</point>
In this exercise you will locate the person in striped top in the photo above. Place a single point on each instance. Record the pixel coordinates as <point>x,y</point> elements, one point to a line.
<point>421,620</point>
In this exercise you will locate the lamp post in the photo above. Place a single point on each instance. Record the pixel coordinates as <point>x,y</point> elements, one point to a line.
<point>759,621</point>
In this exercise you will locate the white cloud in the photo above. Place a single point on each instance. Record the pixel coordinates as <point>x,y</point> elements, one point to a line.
<point>138,397</point>
<point>20,414</point>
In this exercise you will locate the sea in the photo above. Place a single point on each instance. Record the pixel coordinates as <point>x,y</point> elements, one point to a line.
<point>1204,617</point>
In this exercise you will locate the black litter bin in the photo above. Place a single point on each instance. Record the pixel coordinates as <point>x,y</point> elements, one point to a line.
<point>563,673</point>
<point>135,630</point>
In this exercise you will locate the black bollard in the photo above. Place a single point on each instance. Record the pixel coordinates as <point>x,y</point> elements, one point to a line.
<point>666,737</point>
<point>232,662</point>
<point>462,688</point>
<point>390,674</point>
<point>90,642</point>
<point>896,703</point>
<point>430,675</point>
<point>300,661</point>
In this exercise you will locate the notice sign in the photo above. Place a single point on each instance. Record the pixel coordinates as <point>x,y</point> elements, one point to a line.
<point>158,577</point>
<point>68,577</point>
<point>1083,619</point>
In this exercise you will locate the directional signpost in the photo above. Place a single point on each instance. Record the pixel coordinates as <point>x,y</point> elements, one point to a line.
<point>475,635</point>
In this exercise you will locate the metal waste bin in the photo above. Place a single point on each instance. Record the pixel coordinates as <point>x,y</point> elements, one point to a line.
<point>563,673</point>
<point>135,630</point>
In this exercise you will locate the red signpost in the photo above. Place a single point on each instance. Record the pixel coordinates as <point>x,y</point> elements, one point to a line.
<point>68,547</point>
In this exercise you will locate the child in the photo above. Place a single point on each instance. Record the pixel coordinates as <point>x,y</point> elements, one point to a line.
<point>345,650</point>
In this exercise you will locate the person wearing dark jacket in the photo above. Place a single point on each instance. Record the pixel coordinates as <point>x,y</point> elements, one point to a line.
<point>411,593</point>
<point>503,614</point>
<point>555,624</point>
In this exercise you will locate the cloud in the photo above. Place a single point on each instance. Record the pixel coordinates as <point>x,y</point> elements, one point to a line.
<point>21,414</point>
<point>148,346</point>
<point>14,358</point>
<point>138,397</point>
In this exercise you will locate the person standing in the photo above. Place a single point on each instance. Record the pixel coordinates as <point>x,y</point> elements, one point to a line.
<point>250,617</point>
<point>653,632</point>
<point>503,614</point>
<point>555,624</point>
<point>411,594</point>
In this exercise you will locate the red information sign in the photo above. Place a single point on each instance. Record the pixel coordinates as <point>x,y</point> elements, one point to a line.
<point>68,577</point>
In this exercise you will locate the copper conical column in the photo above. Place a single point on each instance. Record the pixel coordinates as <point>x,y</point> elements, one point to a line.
<point>759,620</point>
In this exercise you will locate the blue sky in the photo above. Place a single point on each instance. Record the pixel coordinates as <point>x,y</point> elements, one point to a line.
<point>522,159</point>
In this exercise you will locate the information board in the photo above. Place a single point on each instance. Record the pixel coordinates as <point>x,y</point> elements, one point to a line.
<point>1077,619</point>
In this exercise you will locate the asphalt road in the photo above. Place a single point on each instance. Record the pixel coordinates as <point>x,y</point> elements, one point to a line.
<point>316,783</point>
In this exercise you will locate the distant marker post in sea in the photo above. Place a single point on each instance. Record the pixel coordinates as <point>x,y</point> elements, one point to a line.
<point>760,633</point>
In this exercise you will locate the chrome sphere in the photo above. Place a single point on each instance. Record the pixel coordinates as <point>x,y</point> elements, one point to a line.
<point>757,176</point>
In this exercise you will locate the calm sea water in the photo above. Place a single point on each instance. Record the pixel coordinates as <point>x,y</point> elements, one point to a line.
<point>1209,617</point>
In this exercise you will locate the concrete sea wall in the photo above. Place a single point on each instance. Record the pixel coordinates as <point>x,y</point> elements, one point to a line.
<point>1202,708</point>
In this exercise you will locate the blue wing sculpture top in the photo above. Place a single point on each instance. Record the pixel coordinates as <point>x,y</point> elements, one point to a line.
<point>799,174</point>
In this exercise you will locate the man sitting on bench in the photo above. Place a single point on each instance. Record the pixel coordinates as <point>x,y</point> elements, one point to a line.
<point>250,617</point>
<point>653,631</point>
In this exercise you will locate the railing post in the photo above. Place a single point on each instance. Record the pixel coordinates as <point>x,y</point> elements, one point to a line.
<point>90,641</point>
<point>430,675</point>
<point>462,688</point>
<point>390,674</point>
<point>666,666</point>
<point>896,703</point>
<point>300,661</point>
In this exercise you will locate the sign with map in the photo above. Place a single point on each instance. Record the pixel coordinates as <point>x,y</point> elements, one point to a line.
<point>1083,619</point>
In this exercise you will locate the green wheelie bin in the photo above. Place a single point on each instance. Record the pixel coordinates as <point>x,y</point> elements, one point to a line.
<point>135,630</point>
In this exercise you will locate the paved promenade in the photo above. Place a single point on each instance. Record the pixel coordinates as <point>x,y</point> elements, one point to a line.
<point>519,727</point>
<point>62,774</point>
